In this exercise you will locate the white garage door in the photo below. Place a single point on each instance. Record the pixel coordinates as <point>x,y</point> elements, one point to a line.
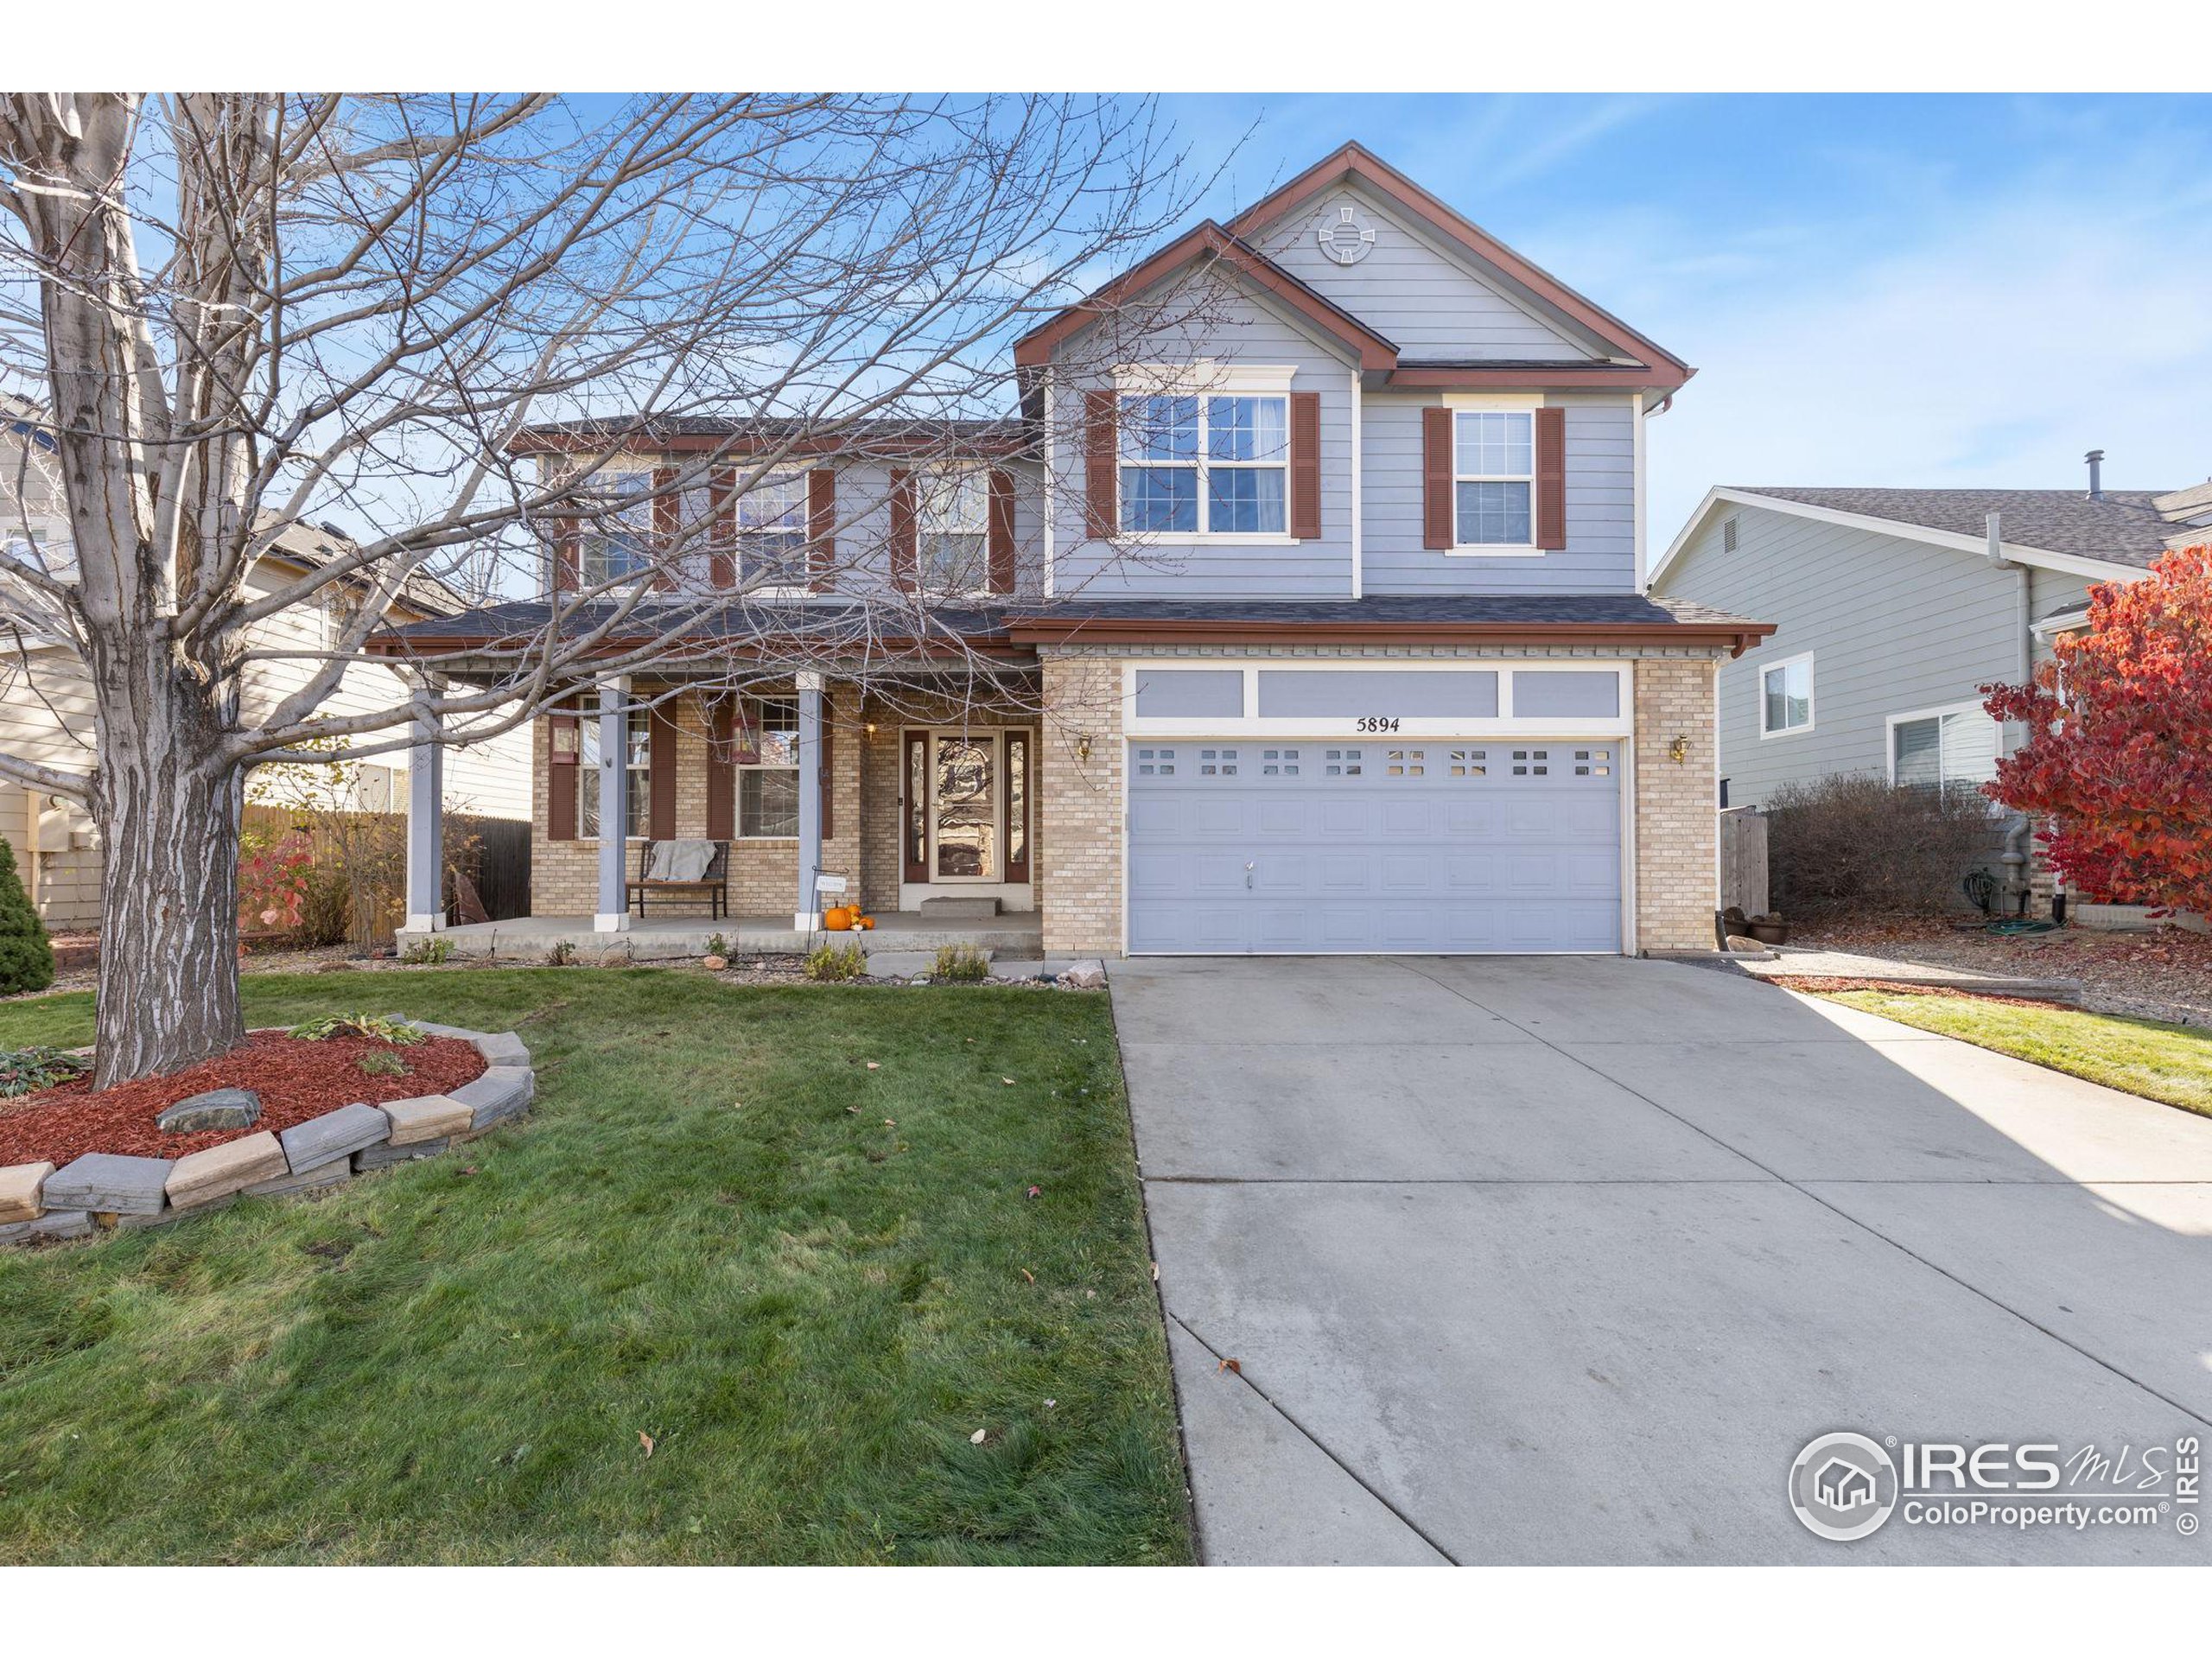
<point>1436,846</point>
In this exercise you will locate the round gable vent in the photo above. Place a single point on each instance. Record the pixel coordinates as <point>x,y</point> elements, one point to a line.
<point>1347,238</point>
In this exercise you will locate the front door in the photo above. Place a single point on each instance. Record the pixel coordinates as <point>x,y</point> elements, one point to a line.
<point>965,812</point>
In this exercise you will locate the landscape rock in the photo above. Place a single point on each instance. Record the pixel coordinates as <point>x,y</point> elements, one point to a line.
<point>1087,975</point>
<point>714,965</point>
<point>286,1187</point>
<point>20,1185</point>
<point>501,1048</point>
<point>54,1223</point>
<point>425,1117</point>
<point>500,1093</point>
<point>217,1108</point>
<point>385,1156</point>
<point>201,1177</point>
<point>334,1137</point>
<point>111,1181</point>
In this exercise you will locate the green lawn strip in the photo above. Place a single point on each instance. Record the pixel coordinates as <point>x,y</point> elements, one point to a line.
<point>706,1232</point>
<point>2172,1064</point>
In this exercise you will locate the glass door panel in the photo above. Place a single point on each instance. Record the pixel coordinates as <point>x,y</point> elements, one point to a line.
<point>965,784</point>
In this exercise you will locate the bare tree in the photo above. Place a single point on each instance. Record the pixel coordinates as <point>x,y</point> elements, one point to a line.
<point>445,319</point>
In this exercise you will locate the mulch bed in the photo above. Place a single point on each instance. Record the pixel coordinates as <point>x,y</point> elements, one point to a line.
<point>1829,982</point>
<point>295,1080</point>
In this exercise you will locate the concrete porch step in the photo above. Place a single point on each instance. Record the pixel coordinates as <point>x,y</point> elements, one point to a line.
<point>957,910</point>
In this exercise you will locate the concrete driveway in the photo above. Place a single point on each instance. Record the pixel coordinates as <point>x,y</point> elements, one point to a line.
<point>1564,1259</point>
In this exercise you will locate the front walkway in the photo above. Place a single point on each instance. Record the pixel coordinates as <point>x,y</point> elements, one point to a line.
<point>1566,1259</point>
<point>659,938</point>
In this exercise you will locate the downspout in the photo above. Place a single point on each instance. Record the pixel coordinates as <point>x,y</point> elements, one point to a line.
<point>2015,856</point>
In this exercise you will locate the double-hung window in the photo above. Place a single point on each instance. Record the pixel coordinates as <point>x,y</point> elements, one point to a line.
<point>767,785</point>
<point>953,529</point>
<point>1494,478</point>
<point>618,542</point>
<point>772,533</point>
<point>1205,466</point>
<point>638,763</point>
<point>1786,696</point>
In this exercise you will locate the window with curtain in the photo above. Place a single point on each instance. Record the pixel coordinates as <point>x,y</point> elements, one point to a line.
<point>1955,745</point>
<point>767,787</point>
<point>1217,465</point>
<point>638,764</point>
<point>1786,697</point>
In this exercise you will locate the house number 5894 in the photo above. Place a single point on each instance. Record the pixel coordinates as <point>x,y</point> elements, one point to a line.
<point>1377,722</point>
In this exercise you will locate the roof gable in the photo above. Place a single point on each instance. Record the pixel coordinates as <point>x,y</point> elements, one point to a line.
<point>1499,266</point>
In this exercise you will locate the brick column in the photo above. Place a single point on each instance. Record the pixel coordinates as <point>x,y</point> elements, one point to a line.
<point>1079,807</point>
<point>1677,818</point>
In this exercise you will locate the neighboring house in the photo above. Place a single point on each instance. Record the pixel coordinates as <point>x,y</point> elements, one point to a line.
<point>1321,629</point>
<point>46,705</point>
<point>1893,606</point>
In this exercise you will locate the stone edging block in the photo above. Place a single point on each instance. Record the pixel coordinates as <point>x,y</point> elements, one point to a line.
<point>111,1190</point>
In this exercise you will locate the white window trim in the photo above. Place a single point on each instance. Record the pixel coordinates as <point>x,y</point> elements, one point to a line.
<point>589,721</point>
<point>1202,379</point>
<point>1493,403</point>
<point>1251,724</point>
<point>738,768</point>
<point>644,570</point>
<point>738,561</point>
<point>1812,694</point>
<point>1890,722</point>
<point>922,531</point>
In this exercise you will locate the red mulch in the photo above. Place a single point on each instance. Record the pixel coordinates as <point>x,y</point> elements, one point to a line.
<point>295,1080</point>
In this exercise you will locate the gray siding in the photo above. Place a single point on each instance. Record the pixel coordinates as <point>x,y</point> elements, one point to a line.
<point>1894,626</point>
<point>2052,592</point>
<point>1240,330</point>
<point>1600,552</point>
<point>1425,300</point>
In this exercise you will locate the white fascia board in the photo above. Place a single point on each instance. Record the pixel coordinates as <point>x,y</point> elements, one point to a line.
<point>2072,563</point>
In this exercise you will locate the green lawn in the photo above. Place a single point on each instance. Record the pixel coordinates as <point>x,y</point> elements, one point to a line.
<point>808,1283</point>
<point>2172,1063</point>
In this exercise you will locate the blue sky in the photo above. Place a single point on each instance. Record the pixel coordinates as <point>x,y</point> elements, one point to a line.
<point>1900,290</point>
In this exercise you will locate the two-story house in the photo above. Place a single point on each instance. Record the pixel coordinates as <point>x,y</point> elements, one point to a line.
<point>1321,628</point>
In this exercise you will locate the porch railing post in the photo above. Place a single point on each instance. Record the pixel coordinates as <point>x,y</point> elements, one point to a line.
<point>613,915</point>
<point>805,913</point>
<point>426,768</point>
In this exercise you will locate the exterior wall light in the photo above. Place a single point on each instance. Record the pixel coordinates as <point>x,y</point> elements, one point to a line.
<point>1679,750</point>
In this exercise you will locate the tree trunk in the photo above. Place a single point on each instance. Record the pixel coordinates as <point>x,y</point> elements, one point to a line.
<point>168,802</point>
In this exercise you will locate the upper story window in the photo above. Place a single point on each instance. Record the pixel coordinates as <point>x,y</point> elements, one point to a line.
<point>1786,696</point>
<point>1205,466</point>
<point>1494,477</point>
<point>620,544</point>
<point>771,533</point>
<point>953,510</point>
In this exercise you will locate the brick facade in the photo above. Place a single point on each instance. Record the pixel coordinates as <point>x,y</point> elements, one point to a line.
<point>1677,821</point>
<point>1079,803</point>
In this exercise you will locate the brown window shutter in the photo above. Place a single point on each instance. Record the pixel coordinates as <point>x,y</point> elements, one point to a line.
<point>660,774</point>
<point>724,562</point>
<point>668,525</point>
<point>824,777</point>
<point>1002,535</point>
<point>1436,479</point>
<point>822,528</point>
<point>567,559</point>
<point>1102,517</point>
<point>562,737</point>
<point>1551,477</point>
<point>914,807</point>
<point>1017,806</point>
<point>721,775</point>
<point>748,739</point>
<point>905,552</point>
<point>1305,466</point>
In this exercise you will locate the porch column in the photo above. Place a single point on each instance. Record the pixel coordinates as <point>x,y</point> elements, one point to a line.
<point>613,915</point>
<point>426,813</point>
<point>807,913</point>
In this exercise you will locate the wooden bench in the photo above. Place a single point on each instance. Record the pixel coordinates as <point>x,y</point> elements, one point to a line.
<point>714,883</point>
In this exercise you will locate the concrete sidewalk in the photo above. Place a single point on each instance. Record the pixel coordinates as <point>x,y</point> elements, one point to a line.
<point>1564,1259</point>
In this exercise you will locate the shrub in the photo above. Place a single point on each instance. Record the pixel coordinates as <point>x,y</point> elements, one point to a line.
<point>836,962</point>
<point>717,945</point>
<point>427,953</point>
<point>326,1025</point>
<point>26,1070</point>
<point>1851,841</point>
<point>960,964</point>
<point>26,955</point>
<point>559,953</point>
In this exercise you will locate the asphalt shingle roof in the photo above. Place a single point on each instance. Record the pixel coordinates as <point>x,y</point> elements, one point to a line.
<point>2122,526</point>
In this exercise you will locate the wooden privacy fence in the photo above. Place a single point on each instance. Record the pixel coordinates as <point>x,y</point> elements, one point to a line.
<point>1743,860</point>
<point>371,849</point>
